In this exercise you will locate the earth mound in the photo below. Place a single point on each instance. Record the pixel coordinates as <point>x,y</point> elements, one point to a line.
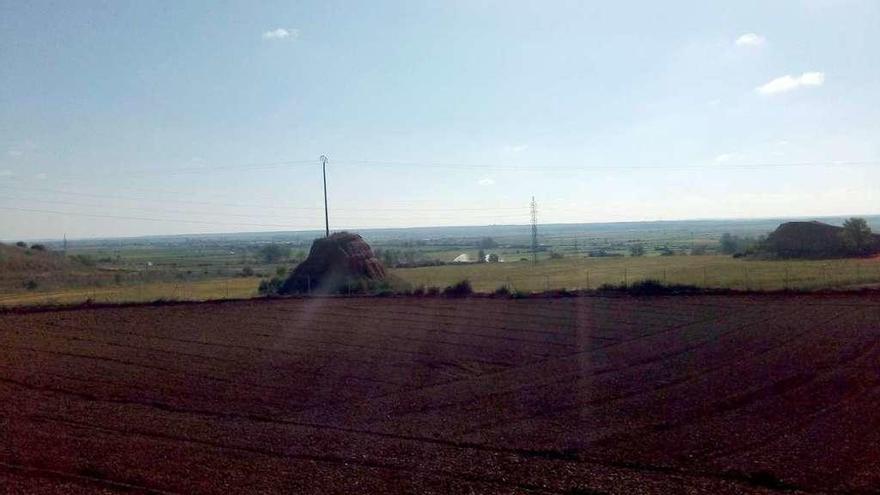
<point>810,240</point>
<point>342,260</point>
<point>22,265</point>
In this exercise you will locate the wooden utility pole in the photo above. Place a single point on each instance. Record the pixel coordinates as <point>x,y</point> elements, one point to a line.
<point>534,210</point>
<point>326,213</point>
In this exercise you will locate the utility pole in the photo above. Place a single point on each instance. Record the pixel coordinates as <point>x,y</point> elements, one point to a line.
<point>326,213</point>
<point>534,207</point>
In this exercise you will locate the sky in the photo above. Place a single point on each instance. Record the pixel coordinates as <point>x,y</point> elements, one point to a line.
<point>123,118</point>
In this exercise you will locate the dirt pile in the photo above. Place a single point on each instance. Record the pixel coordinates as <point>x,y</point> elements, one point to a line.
<point>342,260</point>
<point>809,240</point>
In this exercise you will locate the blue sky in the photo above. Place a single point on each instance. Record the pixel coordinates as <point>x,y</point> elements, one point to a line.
<point>128,118</point>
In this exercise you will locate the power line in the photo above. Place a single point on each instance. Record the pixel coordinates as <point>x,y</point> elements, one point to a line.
<point>198,169</point>
<point>150,219</point>
<point>481,166</point>
<point>229,214</point>
<point>246,205</point>
<point>607,166</point>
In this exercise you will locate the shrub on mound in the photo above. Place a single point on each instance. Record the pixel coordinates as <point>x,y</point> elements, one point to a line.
<point>337,264</point>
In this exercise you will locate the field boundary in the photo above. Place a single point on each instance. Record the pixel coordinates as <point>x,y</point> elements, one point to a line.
<point>614,293</point>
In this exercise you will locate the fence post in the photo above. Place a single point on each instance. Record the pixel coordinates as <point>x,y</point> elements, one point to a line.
<point>588,279</point>
<point>625,278</point>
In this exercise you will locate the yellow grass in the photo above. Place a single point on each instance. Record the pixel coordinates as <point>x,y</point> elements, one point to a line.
<point>194,291</point>
<point>703,271</point>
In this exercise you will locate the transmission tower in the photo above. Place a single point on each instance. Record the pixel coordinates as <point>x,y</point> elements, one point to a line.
<point>534,207</point>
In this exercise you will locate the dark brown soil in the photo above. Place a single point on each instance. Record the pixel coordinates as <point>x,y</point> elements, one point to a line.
<point>705,394</point>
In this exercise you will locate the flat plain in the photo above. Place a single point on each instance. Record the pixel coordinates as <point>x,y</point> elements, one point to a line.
<point>705,394</point>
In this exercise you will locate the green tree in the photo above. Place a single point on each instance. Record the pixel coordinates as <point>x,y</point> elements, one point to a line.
<point>637,250</point>
<point>856,236</point>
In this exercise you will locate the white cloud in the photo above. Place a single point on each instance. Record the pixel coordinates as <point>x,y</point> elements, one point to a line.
<point>40,176</point>
<point>750,39</point>
<point>516,148</point>
<point>6,173</point>
<point>15,153</point>
<point>788,83</point>
<point>714,103</point>
<point>486,181</point>
<point>723,158</point>
<point>280,34</point>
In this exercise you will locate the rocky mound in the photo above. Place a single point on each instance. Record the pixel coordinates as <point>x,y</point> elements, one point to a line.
<point>334,263</point>
<point>809,240</point>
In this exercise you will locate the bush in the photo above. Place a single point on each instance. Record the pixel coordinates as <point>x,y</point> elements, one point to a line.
<point>666,251</point>
<point>637,250</point>
<point>383,289</point>
<point>270,287</point>
<point>432,291</point>
<point>460,289</point>
<point>247,272</point>
<point>518,294</point>
<point>31,285</point>
<point>556,256</point>
<point>21,244</point>
<point>38,247</point>
<point>502,290</point>
<point>650,287</point>
<point>418,291</point>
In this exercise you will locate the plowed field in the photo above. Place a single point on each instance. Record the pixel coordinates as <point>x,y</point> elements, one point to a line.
<point>708,394</point>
